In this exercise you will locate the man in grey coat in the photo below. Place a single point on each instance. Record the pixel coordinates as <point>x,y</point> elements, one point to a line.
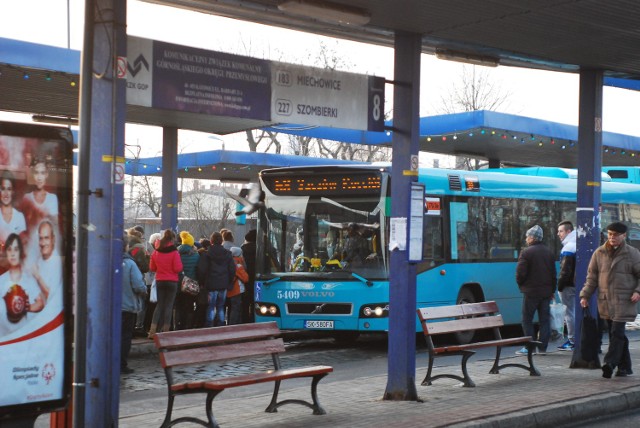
<point>536,278</point>
<point>614,269</point>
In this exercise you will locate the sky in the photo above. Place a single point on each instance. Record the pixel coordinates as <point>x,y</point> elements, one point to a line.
<point>539,94</point>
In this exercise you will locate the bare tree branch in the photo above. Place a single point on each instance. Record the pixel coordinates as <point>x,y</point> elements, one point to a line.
<point>475,91</point>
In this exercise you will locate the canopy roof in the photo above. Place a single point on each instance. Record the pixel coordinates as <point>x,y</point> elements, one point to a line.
<point>561,35</point>
<point>491,135</point>
<point>224,165</point>
<point>545,34</point>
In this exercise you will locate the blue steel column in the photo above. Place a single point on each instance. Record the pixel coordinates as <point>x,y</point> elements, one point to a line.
<point>401,382</point>
<point>589,190</point>
<point>169,178</point>
<point>100,217</point>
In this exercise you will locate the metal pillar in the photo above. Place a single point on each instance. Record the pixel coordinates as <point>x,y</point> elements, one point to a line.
<point>169,178</point>
<point>401,382</point>
<point>100,217</point>
<point>589,189</point>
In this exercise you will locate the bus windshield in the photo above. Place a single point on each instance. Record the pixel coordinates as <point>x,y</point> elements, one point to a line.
<point>333,234</point>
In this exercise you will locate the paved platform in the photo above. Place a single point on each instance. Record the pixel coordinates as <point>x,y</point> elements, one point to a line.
<point>512,398</point>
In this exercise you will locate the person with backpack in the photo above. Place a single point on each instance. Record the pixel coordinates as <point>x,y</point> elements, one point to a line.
<point>134,291</point>
<point>185,303</point>
<point>234,296</point>
<point>138,249</point>
<point>140,255</point>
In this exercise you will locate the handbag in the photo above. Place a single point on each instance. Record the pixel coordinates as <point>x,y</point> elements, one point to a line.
<point>189,286</point>
<point>590,339</point>
<point>588,357</point>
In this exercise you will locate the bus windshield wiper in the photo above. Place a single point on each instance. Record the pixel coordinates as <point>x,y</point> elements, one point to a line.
<point>360,278</point>
<point>270,281</point>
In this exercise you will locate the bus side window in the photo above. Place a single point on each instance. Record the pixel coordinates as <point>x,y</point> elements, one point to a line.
<point>459,213</point>
<point>432,238</point>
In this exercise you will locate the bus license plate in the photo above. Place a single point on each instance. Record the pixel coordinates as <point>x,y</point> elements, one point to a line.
<point>318,324</point>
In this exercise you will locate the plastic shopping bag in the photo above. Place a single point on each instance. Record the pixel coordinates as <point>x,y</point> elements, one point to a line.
<point>557,317</point>
<point>153,296</point>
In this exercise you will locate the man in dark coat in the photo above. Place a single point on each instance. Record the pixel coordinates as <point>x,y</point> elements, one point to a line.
<point>248,297</point>
<point>216,270</point>
<point>536,278</point>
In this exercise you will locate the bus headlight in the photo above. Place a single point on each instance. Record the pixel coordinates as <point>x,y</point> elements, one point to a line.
<point>374,310</point>
<point>267,309</point>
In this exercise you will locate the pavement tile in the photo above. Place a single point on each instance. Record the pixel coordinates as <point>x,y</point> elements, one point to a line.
<point>510,398</point>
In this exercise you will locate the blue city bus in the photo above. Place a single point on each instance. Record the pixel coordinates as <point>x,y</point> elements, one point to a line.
<point>474,229</point>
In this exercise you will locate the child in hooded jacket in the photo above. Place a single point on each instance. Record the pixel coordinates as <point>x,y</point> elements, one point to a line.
<point>234,296</point>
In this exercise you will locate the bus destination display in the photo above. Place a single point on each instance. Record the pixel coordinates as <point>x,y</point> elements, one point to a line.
<point>329,184</point>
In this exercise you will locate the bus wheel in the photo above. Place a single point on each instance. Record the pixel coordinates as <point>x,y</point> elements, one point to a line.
<point>465,296</point>
<point>346,337</point>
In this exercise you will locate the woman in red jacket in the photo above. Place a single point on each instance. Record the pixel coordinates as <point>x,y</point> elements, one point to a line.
<point>166,263</point>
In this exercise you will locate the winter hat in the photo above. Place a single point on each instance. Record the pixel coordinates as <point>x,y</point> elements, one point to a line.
<point>153,238</point>
<point>186,237</point>
<point>205,243</point>
<point>617,227</point>
<point>251,236</point>
<point>535,232</point>
<point>236,251</point>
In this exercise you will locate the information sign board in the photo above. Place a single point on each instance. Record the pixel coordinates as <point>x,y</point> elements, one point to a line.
<point>323,97</point>
<point>173,77</point>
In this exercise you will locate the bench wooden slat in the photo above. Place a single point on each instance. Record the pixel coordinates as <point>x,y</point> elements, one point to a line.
<point>268,376</point>
<point>470,309</point>
<point>485,344</point>
<point>462,324</point>
<point>207,354</point>
<point>211,335</point>
<point>453,311</point>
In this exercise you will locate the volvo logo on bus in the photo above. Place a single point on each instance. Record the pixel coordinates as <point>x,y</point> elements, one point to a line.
<point>329,285</point>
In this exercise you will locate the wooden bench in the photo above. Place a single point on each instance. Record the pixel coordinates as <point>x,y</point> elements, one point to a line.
<point>469,317</point>
<point>208,345</point>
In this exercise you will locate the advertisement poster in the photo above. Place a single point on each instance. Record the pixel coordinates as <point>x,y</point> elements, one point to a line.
<point>35,281</point>
<point>181,78</point>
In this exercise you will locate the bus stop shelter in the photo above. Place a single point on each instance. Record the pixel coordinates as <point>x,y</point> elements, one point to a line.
<point>594,39</point>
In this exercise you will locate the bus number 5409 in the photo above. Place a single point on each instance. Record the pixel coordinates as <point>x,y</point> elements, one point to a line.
<point>288,294</point>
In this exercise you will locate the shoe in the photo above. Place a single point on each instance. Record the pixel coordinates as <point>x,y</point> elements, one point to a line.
<point>624,372</point>
<point>567,346</point>
<point>126,370</point>
<point>540,352</point>
<point>607,371</point>
<point>139,332</point>
<point>524,351</point>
